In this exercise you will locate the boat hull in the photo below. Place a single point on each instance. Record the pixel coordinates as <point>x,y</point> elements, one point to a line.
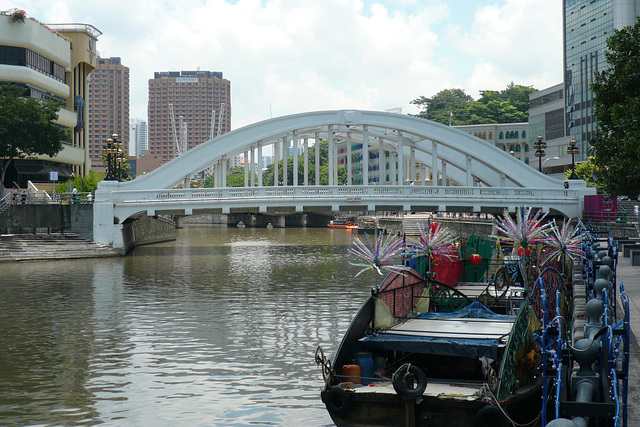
<point>386,409</point>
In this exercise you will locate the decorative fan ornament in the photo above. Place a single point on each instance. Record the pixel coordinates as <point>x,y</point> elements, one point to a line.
<point>526,230</point>
<point>564,241</point>
<point>434,241</point>
<point>380,256</point>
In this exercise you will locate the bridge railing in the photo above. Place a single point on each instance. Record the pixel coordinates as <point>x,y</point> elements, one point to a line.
<point>528,195</point>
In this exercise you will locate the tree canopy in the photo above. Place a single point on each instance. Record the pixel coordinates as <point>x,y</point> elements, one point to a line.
<point>510,105</point>
<point>26,127</point>
<point>617,107</point>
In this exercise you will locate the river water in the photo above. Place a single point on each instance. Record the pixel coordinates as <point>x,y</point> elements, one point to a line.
<point>216,328</point>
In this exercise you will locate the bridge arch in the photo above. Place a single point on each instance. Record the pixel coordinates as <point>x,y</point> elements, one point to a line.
<point>460,158</point>
<point>453,167</point>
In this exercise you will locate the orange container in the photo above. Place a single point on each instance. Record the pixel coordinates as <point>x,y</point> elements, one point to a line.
<point>350,372</point>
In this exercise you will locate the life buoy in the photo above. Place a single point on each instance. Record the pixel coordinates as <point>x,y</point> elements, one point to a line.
<point>490,416</point>
<point>409,381</point>
<point>337,401</point>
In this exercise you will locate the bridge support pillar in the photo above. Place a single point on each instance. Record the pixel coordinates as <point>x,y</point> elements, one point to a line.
<point>106,227</point>
<point>279,221</point>
<point>179,220</point>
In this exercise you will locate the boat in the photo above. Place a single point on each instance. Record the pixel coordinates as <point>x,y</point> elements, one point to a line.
<point>422,352</point>
<point>343,224</point>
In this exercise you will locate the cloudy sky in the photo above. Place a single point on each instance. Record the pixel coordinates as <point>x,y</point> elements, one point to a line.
<point>290,56</point>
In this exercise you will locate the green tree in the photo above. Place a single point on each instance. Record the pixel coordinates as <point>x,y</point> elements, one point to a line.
<point>617,107</point>
<point>26,127</point>
<point>84,184</point>
<point>510,105</point>
<point>589,172</point>
<point>439,107</point>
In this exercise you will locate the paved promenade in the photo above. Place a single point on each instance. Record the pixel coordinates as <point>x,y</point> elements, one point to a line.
<point>630,277</point>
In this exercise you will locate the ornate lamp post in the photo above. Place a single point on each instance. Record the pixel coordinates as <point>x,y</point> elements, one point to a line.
<point>107,152</point>
<point>114,157</point>
<point>573,150</point>
<point>539,145</point>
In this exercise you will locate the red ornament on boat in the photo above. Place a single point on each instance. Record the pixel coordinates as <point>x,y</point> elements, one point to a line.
<point>475,259</point>
<point>434,226</point>
<point>527,251</point>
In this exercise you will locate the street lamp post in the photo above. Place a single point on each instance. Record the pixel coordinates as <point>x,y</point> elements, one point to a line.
<point>114,157</point>
<point>107,152</point>
<point>539,145</point>
<point>573,150</point>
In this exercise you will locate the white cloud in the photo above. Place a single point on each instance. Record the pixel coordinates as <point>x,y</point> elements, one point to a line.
<point>298,56</point>
<point>519,41</point>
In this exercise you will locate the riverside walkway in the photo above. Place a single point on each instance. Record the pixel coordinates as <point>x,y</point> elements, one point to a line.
<point>630,276</point>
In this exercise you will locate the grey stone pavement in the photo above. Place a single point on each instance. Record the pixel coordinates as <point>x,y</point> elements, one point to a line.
<point>630,277</point>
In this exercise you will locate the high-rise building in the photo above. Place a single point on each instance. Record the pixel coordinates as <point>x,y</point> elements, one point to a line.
<point>547,120</point>
<point>139,138</point>
<point>186,101</point>
<point>587,25</point>
<point>108,107</point>
<point>50,62</point>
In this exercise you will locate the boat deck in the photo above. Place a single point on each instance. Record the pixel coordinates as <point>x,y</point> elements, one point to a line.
<point>434,389</point>
<point>466,328</point>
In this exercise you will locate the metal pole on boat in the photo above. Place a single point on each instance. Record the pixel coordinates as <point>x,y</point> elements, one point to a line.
<point>410,412</point>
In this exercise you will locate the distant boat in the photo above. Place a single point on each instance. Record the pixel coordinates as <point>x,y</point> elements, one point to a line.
<point>241,225</point>
<point>344,224</point>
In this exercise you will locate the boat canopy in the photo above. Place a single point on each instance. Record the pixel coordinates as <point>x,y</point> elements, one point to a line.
<point>473,332</point>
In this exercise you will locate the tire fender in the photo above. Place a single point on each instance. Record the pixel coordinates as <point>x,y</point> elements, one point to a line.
<point>413,373</point>
<point>490,416</point>
<point>337,400</point>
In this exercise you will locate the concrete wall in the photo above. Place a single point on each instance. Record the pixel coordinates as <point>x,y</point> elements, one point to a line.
<point>465,229</point>
<point>28,218</point>
<point>146,230</point>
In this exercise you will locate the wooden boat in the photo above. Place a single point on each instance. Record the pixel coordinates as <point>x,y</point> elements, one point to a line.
<point>423,353</point>
<point>344,224</point>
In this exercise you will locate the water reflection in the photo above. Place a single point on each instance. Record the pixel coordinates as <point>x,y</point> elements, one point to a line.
<point>216,328</point>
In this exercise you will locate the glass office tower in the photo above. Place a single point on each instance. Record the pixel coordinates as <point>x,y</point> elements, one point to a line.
<point>587,25</point>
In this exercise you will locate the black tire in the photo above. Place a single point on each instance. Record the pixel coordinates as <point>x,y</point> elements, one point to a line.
<point>337,401</point>
<point>490,416</point>
<point>404,387</point>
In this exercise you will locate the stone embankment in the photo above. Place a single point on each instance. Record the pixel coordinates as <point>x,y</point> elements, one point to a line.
<point>54,246</point>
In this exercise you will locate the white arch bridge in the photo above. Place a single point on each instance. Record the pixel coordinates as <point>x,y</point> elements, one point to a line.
<point>382,153</point>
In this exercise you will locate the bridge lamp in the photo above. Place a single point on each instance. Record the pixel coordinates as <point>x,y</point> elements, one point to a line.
<point>117,158</point>
<point>573,150</point>
<point>539,145</point>
<point>107,152</point>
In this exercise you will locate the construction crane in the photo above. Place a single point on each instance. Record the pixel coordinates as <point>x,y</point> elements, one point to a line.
<point>180,143</point>
<point>221,118</point>
<point>215,132</point>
